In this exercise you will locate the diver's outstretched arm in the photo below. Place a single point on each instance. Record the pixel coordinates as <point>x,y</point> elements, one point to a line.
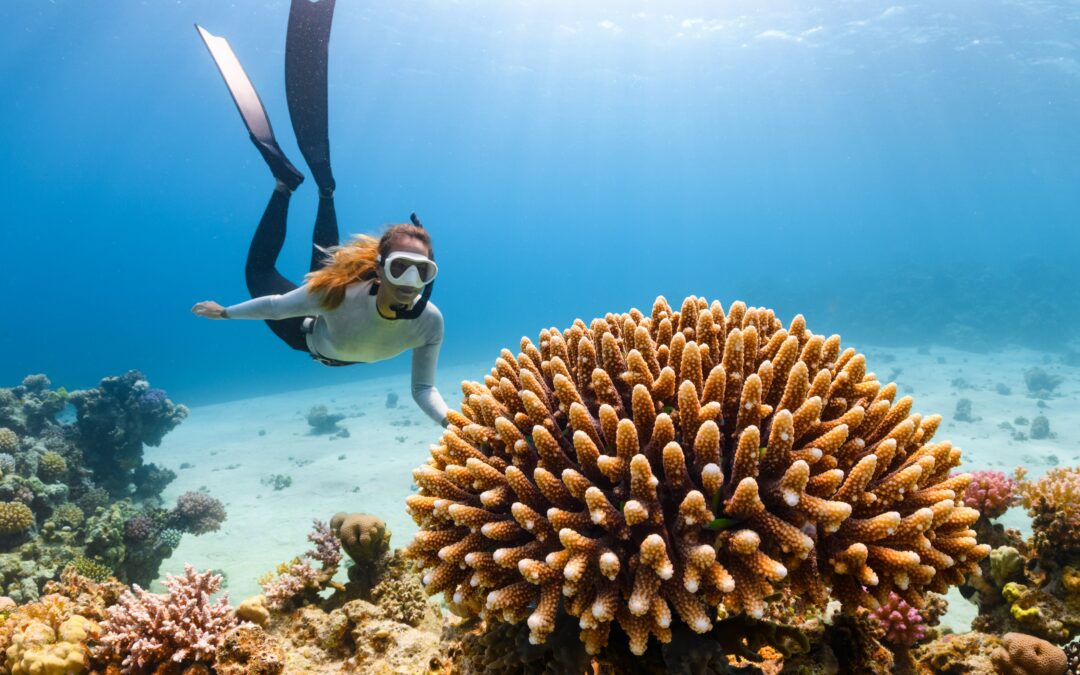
<point>424,364</point>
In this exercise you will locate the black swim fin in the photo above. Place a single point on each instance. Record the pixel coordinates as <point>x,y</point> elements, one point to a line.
<point>251,108</point>
<point>306,56</point>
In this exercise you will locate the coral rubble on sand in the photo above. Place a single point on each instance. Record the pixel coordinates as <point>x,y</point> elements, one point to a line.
<point>652,471</point>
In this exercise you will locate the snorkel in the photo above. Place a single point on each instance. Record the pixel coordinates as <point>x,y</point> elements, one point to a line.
<point>403,312</point>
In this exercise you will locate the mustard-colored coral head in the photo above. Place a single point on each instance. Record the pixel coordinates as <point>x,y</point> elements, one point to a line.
<point>649,468</point>
<point>364,537</point>
<point>15,518</point>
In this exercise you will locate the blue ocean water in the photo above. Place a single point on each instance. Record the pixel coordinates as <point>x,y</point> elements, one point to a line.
<point>902,172</point>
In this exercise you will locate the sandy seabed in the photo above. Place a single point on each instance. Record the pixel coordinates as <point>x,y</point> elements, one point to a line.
<point>233,449</point>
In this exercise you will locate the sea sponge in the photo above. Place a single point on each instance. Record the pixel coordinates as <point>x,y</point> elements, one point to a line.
<point>9,441</point>
<point>1023,654</point>
<point>15,518</point>
<point>645,467</point>
<point>52,466</point>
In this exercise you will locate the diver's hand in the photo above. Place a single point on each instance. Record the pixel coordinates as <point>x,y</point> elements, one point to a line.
<point>209,309</point>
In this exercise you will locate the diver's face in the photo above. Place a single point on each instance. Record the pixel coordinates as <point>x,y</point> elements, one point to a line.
<point>402,294</point>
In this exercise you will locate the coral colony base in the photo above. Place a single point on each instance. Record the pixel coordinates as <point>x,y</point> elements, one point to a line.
<point>691,491</point>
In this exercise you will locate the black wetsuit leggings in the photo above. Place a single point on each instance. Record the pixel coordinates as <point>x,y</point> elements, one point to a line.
<point>261,271</point>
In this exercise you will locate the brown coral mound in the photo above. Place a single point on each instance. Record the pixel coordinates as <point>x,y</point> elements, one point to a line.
<point>648,466</point>
<point>1028,655</point>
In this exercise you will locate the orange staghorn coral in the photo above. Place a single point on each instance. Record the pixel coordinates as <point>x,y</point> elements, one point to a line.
<point>644,469</point>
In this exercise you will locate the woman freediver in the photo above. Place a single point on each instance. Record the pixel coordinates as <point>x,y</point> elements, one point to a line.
<point>362,301</point>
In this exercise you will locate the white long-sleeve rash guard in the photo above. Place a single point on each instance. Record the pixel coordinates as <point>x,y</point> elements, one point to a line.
<point>355,331</point>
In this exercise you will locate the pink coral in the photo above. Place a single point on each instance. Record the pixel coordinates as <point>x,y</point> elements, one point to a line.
<point>144,629</point>
<point>281,589</point>
<point>991,492</point>
<point>327,547</point>
<point>902,623</point>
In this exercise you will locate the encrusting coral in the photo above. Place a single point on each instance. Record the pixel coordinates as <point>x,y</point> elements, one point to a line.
<point>643,468</point>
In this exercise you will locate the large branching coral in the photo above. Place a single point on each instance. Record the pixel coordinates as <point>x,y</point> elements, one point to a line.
<point>643,467</point>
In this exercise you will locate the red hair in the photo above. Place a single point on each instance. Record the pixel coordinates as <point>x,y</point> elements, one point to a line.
<point>356,261</point>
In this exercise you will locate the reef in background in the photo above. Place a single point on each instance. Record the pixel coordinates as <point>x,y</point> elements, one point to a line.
<point>74,489</point>
<point>947,306</point>
<point>700,491</point>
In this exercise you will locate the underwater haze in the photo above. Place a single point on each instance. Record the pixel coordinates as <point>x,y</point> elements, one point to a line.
<point>881,168</point>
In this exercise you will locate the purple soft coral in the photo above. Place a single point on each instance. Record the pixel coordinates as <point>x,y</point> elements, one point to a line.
<point>903,624</point>
<point>151,400</point>
<point>198,512</point>
<point>990,492</point>
<point>327,547</point>
<point>144,630</point>
<point>138,528</point>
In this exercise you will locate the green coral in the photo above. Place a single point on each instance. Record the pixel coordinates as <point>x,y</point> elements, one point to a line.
<point>170,537</point>
<point>52,466</point>
<point>15,518</point>
<point>68,515</point>
<point>91,569</point>
<point>1005,563</point>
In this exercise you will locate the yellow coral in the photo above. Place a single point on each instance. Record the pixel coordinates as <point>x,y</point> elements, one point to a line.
<point>15,518</point>
<point>52,466</point>
<point>37,649</point>
<point>9,441</point>
<point>643,467</point>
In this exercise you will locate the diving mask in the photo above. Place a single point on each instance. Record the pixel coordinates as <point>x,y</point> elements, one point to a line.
<point>412,270</point>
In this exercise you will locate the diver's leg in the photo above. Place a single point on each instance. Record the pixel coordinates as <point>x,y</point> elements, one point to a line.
<point>261,272</point>
<point>326,232</point>
<point>251,109</point>
<point>306,55</point>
